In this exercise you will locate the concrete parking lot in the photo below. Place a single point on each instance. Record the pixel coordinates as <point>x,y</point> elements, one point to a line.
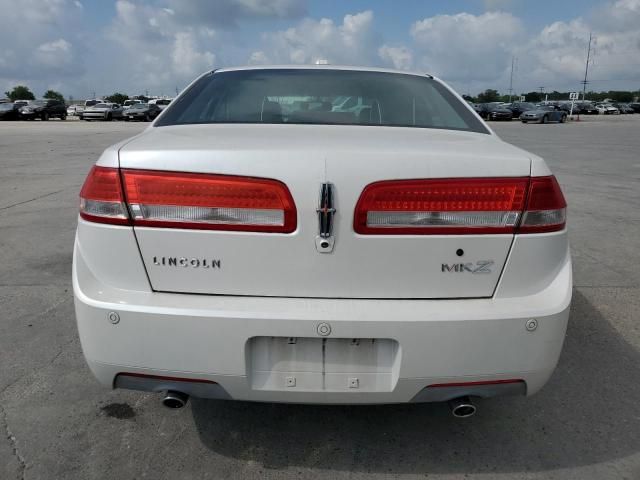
<point>56,422</point>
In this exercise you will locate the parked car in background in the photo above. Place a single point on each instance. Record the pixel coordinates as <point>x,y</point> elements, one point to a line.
<point>44,110</point>
<point>607,109</point>
<point>635,106</point>
<point>585,108</point>
<point>495,111</point>
<point>624,108</point>
<point>103,111</point>
<point>142,111</point>
<point>73,110</point>
<point>518,108</point>
<point>204,260</point>
<point>161,102</point>
<point>544,114</point>
<point>129,103</point>
<point>22,103</point>
<point>9,111</point>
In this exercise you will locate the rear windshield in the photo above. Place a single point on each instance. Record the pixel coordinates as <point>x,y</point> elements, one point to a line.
<point>327,97</point>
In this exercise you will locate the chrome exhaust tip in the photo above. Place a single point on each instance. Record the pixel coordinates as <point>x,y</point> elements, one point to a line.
<point>462,407</point>
<point>175,400</point>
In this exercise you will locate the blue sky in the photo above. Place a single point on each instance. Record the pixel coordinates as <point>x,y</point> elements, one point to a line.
<point>82,46</point>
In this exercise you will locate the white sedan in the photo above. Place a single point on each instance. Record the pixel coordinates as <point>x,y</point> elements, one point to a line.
<point>607,109</point>
<point>102,111</point>
<point>253,246</point>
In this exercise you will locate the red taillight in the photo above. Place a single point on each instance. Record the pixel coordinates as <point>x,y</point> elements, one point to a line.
<point>187,200</point>
<point>546,207</point>
<point>101,198</point>
<point>460,206</point>
<point>209,202</point>
<point>441,206</point>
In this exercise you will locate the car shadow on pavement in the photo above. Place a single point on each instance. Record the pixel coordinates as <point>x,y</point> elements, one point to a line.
<point>586,414</point>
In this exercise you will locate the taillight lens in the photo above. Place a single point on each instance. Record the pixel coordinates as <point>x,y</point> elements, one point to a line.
<point>460,206</point>
<point>441,206</point>
<point>101,198</point>
<point>187,200</point>
<point>209,202</point>
<point>546,207</point>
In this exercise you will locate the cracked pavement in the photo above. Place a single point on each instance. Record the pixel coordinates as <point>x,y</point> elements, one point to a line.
<point>57,422</point>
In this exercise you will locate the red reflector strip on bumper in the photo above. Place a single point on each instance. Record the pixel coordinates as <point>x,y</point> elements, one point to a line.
<point>474,384</point>
<point>166,379</point>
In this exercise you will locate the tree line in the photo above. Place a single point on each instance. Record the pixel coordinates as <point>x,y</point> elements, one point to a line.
<point>22,92</point>
<point>491,95</point>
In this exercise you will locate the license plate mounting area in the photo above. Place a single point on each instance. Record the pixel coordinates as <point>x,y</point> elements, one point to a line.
<point>323,364</point>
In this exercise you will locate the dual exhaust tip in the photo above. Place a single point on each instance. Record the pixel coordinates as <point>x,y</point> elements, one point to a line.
<point>175,400</point>
<point>461,407</point>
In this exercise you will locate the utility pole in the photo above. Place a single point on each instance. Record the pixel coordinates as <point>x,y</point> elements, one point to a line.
<point>541,93</point>
<point>513,60</point>
<point>586,69</point>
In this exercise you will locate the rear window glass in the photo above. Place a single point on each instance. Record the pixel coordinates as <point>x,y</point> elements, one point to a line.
<point>301,96</point>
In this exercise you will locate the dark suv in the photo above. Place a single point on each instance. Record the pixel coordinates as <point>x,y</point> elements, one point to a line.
<point>44,110</point>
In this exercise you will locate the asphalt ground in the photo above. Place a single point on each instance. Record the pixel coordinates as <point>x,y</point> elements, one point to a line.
<point>56,422</point>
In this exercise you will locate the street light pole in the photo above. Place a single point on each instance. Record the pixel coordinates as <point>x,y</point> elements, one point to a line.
<point>513,59</point>
<point>586,69</point>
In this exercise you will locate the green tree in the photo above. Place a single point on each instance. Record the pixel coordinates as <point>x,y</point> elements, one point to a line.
<point>489,95</point>
<point>20,92</point>
<point>618,96</point>
<point>53,95</point>
<point>533,97</point>
<point>117,98</point>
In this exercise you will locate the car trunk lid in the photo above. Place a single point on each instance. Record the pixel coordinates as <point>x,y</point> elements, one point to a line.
<point>304,157</point>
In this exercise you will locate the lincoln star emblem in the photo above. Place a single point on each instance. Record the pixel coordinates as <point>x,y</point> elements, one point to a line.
<point>326,213</point>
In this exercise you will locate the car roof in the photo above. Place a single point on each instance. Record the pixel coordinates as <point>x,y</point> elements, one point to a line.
<point>323,67</point>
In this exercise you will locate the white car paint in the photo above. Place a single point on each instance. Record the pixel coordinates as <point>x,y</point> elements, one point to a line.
<point>234,335</point>
<point>606,109</point>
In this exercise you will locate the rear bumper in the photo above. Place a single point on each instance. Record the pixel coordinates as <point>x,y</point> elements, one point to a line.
<point>208,338</point>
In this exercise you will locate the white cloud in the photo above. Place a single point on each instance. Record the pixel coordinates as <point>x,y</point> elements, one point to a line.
<point>464,46</point>
<point>56,54</point>
<point>157,45</point>
<point>351,42</point>
<point>186,58</point>
<point>39,43</point>
<point>258,58</point>
<point>556,56</point>
<point>399,57</point>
